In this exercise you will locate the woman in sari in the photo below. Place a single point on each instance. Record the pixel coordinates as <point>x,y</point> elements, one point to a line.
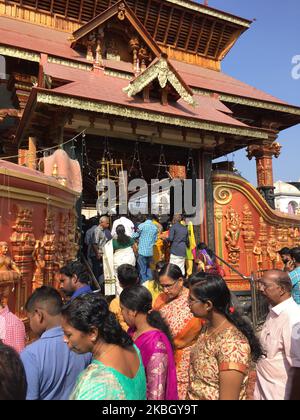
<point>152,336</point>
<point>206,261</point>
<point>124,249</point>
<point>172,304</point>
<point>226,347</point>
<point>116,371</point>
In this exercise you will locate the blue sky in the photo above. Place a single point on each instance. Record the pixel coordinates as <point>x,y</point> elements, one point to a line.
<point>262,57</point>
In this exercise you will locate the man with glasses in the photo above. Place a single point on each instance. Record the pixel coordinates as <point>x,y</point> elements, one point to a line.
<point>278,372</point>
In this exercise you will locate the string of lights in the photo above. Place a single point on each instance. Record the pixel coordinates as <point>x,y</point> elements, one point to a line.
<point>44,151</point>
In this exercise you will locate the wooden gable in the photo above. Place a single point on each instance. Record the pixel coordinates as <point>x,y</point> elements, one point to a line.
<point>116,34</point>
<point>160,79</point>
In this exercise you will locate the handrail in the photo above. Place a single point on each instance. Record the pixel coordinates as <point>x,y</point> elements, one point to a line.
<point>232,268</point>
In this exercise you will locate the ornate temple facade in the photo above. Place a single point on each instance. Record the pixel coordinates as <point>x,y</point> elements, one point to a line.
<point>143,74</point>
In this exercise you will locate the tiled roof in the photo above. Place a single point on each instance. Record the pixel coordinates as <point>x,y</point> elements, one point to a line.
<point>27,36</point>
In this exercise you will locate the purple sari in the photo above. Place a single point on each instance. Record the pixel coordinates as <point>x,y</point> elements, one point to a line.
<point>158,359</point>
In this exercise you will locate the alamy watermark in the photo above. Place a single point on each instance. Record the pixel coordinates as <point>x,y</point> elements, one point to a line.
<point>159,197</point>
<point>2,68</point>
<point>296,67</point>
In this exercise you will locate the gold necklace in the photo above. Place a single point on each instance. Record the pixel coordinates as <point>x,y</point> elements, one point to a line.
<point>214,329</point>
<point>102,354</point>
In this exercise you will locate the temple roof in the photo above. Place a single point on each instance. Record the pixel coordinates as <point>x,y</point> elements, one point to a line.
<point>179,24</point>
<point>37,39</point>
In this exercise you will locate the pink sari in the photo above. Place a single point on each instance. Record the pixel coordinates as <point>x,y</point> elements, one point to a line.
<point>158,359</point>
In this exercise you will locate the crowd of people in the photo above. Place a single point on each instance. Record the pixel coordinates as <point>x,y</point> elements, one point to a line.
<point>172,331</point>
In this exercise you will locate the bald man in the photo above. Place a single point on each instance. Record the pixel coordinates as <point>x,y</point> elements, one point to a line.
<point>101,236</point>
<point>278,372</point>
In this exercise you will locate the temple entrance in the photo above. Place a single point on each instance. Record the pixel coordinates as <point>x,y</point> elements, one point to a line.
<point>105,157</point>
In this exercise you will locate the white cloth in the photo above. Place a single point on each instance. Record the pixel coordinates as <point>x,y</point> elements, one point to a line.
<point>280,339</point>
<point>179,261</point>
<point>128,225</point>
<point>122,256</point>
<point>2,328</point>
<point>108,269</point>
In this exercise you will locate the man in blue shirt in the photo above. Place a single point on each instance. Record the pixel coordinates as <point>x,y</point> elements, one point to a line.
<point>147,234</point>
<point>51,368</point>
<point>295,274</point>
<point>74,280</point>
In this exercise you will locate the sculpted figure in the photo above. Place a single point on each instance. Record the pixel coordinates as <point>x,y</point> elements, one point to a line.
<point>8,268</point>
<point>40,263</point>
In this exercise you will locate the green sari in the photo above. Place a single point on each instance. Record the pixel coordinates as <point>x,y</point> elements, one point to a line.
<point>100,382</point>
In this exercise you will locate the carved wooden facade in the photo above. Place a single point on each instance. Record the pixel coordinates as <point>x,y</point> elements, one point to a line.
<point>31,208</point>
<point>249,233</point>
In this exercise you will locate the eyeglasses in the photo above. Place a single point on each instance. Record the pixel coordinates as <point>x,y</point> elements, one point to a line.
<point>167,286</point>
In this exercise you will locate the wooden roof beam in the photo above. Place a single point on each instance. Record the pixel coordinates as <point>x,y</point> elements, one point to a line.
<point>168,26</point>
<point>220,40</point>
<point>158,20</point>
<point>190,33</point>
<point>179,29</point>
<point>199,36</point>
<point>210,37</point>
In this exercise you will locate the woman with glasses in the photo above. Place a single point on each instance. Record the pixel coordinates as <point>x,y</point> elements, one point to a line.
<point>172,303</point>
<point>152,336</point>
<point>221,358</point>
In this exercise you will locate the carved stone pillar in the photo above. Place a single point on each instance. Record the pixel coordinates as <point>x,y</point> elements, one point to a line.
<point>264,166</point>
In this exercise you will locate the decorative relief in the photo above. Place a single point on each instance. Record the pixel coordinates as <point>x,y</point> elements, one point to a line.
<point>9,272</point>
<point>121,11</point>
<point>162,72</point>
<point>23,243</point>
<point>218,214</point>
<point>232,236</point>
<point>272,248</point>
<point>222,195</point>
<point>40,264</point>
<point>248,228</point>
<point>258,252</point>
<point>49,245</point>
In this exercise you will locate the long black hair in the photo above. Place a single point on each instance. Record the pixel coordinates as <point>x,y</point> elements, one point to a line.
<point>13,384</point>
<point>174,272</point>
<point>123,239</point>
<point>91,311</point>
<point>209,287</point>
<point>171,270</point>
<point>139,299</point>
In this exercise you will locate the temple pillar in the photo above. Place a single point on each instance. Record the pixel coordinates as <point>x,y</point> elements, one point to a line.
<point>207,229</point>
<point>32,152</point>
<point>263,154</point>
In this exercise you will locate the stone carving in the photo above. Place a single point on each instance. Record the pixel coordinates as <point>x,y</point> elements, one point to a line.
<point>232,236</point>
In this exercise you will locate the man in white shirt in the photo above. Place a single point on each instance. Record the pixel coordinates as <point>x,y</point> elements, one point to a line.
<point>278,372</point>
<point>128,225</point>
